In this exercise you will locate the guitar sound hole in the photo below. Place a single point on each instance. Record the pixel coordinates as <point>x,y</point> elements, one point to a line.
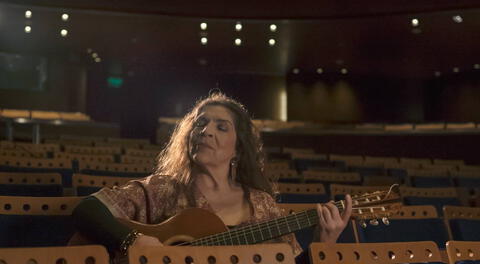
<point>212,260</point>
<point>257,258</point>
<point>280,257</point>
<point>166,260</point>
<point>234,259</point>
<point>90,260</point>
<point>61,261</point>
<point>188,260</point>
<point>143,260</point>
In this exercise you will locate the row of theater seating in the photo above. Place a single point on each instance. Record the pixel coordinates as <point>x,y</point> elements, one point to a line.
<point>46,221</point>
<point>320,253</point>
<point>269,125</point>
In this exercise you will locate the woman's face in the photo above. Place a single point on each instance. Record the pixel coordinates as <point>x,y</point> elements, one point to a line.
<point>213,137</point>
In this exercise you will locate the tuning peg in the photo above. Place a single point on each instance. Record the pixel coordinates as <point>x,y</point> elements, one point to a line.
<point>385,221</point>
<point>362,223</point>
<point>374,222</point>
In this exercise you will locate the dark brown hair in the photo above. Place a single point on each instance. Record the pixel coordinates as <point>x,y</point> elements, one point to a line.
<point>175,160</point>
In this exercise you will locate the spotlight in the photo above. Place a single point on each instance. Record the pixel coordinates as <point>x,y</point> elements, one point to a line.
<point>437,74</point>
<point>65,17</point>
<point>204,41</point>
<point>271,42</point>
<point>415,22</point>
<point>64,32</point>
<point>238,42</point>
<point>456,70</point>
<point>476,66</point>
<point>344,71</point>
<point>98,59</point>
<point>28,29</point>
<point>94,55</point>
<point>89,50</point>
<point>457,19</point>
<point>273,27</point>
<point>203,26</point>
<point>296,71</point>
<point>28,14</point>
<point>319,70</point>
<point>238,26</point>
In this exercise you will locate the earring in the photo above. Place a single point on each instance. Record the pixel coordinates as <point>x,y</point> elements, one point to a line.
<point>233,168</point>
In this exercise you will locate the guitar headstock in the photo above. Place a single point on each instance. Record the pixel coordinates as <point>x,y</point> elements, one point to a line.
<point>376,205</point>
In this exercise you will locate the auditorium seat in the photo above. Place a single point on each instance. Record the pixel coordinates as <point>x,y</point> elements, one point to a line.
<point>126,159</point>
<point>283,176</point>
<point>463,252</point>
<point>419,223</point>
<point>21,153</point>
<point>146,153</point>
<point>274,253</point>
<point>427,178</point>
<point>305,236</point>
<point>93,150</point>
<point>302,193</point>
<point>437,197</point>
<point>30,184</point>
<point>64,167</point>
<point>92,254</point>
<point>463,223</point>
<point>375,253</point>
<point>87,184</point>
<point>328,178</point>
<point>114,169</point>
<point>36,221</point>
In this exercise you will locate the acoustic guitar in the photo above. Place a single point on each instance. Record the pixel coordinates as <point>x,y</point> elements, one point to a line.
<point>198,227</point>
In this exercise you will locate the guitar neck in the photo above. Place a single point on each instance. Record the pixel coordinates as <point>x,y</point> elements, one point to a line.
<point>260,232</point>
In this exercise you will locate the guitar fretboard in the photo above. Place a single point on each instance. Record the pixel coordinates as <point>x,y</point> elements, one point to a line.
<point>260,232</point>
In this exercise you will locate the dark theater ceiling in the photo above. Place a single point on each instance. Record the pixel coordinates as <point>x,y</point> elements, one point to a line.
<point>366,38</point>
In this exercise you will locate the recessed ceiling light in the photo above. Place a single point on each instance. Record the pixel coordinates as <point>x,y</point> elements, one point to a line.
<point>238,26</point>
<point>64,32</point>
<point>319,70</point>
<point>204,41</point>
<point>28,29</point>
<point>296,71</point>
<point>344,71</point>
<point>238,42</point>
<point>271,42</point>
<point>28,14</point>
<point>415,22</point>
<point>273,27</point>
<point>65,17</point>
<point>457,19</point>
<point>456,70</point>
<point>203,26</point>
<point>476,66</point>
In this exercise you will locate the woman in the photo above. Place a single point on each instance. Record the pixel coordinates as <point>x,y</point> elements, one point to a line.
<point>213,161</point>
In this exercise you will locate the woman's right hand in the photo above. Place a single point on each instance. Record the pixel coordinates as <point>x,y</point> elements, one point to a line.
<point>144,240</point>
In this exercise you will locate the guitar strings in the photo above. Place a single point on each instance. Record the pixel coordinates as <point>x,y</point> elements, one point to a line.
<point>242,232</point>
<point>302,219</point>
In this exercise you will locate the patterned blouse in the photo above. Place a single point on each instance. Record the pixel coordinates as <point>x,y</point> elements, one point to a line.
<point>149,200</point>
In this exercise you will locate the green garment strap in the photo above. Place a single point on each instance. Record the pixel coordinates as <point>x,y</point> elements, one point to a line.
<point>94,221</point>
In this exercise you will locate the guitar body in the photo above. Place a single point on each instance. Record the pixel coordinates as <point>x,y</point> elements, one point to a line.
<point>188,225</point>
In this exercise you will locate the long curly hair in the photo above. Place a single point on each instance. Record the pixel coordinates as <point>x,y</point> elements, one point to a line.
<point>176,162</point>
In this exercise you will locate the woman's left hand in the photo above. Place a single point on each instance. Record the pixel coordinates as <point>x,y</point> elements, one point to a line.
<point>332,222</point>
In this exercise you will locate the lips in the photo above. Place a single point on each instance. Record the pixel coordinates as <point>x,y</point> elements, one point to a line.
<point>204,145</point>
